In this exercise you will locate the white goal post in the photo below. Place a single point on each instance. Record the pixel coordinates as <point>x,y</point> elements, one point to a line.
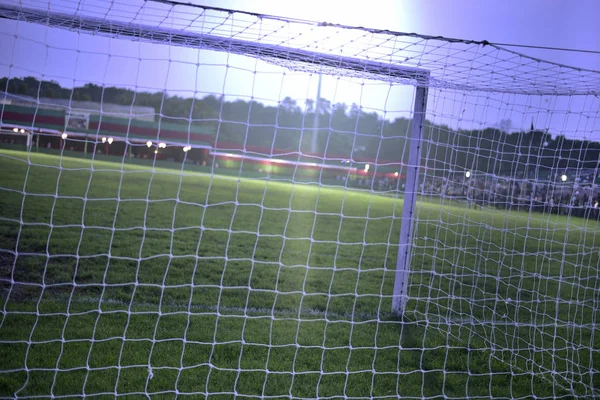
<point>322,62</point>
<point>409,205</point>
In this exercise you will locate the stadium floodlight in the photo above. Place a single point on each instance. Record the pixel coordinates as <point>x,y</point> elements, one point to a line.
<point>287,283</point>
<point>564,177</point>
<point>468,174</point>
<point>162,145</point>
<point>110,140</point>
<point>64,135</point>
<point>104,140</point>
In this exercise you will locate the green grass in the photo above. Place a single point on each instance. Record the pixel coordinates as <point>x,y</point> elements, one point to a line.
<point>120,279</point>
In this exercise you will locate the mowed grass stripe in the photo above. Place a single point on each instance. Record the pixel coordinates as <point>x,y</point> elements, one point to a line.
<point>185,264</point>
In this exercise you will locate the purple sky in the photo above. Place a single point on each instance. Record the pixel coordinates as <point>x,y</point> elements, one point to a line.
<point>555,23</point>
<point>74,59</point>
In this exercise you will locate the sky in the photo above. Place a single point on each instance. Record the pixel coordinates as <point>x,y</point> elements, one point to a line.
<point>75,59</point>
<point>555,23</point>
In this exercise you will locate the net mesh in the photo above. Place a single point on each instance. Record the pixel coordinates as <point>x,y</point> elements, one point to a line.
<point>205,202</point>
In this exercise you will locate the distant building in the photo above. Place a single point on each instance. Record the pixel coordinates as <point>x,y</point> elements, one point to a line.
<point>80,108</point>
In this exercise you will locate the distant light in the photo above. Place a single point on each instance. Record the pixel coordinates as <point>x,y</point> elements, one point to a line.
<point>64,135</point>
<point>22,130</point>
<point>563,178</point>
<point>149,143</point>
<point>312,164</point>
<point>367,166</point>
<point>162,145</point>
<point>187,148</point>
<point>396,174</point>
<point>468,174</point>
<point>155,151</point>
<point>103,140</point>
<point>229,155</point>
<point>15,130</point>
<point>596,205</point>
<point>110,140</point>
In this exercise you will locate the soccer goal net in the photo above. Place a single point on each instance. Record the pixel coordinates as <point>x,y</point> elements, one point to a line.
<point>210,203</point>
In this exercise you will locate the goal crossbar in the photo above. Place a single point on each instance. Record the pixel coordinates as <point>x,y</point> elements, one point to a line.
<point>178,37</point>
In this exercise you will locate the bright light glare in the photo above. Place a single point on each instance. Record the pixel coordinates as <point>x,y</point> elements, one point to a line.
<point>187,148</point>
<point>103,140</point>
<point>367,166</point>
<point>15,130</point>
<point>162,145</point>
<point>110,140</point>
<point>563,178</point>
<point>22,130</point>
<point>396,174</point>
<point>155,151</point>
<point>64,135</point>
<point>149,143</point>
<point>232,155</point>
<point>468,174</point>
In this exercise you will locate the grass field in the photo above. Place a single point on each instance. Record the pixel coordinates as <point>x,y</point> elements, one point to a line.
<point>119,280</point>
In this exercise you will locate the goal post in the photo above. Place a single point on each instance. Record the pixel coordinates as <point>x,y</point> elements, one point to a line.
<point>324,62</point>
<point>409,206</point>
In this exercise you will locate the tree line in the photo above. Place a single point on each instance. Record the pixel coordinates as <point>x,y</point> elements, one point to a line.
<point>345,131</point>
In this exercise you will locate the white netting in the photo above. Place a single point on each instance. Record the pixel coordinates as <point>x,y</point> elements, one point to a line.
<point>180,215</point>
